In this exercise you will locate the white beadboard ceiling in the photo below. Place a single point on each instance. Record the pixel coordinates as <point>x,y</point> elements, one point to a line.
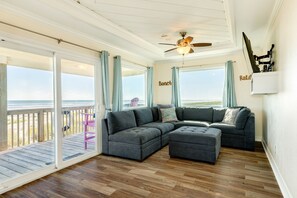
<point>161,20</point>
<point>135,27</point>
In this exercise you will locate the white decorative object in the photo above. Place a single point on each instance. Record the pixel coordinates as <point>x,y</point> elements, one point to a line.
<point>264,83</point>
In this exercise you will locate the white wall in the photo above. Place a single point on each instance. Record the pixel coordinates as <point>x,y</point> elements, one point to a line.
<point>279,116</point>
<point>163,93</point>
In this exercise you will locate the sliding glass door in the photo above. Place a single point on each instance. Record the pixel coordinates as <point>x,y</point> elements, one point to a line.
<point>78,108</point>
<point>26,124</point>
<point>48,118</point>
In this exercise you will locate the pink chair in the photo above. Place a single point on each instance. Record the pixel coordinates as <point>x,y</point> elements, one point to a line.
<point>134,102</point>
<point>89,127</point>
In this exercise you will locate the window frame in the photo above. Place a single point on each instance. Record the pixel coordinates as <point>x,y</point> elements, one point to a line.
<point>130,65</point>
<point>203,68</point>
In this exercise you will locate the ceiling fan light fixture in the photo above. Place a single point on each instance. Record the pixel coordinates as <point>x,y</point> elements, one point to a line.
<point>183,50</point>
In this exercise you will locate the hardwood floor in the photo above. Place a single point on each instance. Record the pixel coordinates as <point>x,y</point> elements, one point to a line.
<point>237,174</point>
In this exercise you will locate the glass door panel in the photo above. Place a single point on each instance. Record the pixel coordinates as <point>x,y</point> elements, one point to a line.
<point>78,113</point>
<point>26,129</point>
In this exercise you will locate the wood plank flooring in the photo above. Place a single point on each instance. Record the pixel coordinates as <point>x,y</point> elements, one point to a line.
<point>16,162</point>
<point>236,174</point>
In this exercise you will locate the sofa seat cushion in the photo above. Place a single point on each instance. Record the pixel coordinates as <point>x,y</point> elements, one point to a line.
<point>191,123</point>
<point>136,135</point>
<point>163,127</point>
<point>227,128</point>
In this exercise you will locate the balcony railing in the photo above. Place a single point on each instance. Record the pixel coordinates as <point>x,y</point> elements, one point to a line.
<point>28,126</point>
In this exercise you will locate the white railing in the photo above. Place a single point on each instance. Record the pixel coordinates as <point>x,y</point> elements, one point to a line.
<point>28,126</point>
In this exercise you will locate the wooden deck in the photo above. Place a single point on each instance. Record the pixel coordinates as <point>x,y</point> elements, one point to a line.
<point>237,174</point>
<point>16,162</point>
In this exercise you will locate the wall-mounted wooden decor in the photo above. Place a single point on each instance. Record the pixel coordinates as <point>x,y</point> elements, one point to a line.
<point>245,77</point>
<point>168,83</point>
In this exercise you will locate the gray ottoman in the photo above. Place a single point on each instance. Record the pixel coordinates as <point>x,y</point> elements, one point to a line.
<point>196,143</point>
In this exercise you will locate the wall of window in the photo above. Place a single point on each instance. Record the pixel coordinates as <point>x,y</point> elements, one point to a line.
<point>202,87</point>
<point>134,85</point>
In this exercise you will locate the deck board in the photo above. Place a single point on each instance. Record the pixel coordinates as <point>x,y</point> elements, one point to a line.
<point>29,158</point>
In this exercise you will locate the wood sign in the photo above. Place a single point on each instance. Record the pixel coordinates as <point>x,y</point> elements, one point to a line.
<point>168,83</point>
<point>245,77</point>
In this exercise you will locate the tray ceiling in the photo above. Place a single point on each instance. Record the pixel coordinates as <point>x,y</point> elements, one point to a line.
<point>135,27</point>
<point>161,20</point>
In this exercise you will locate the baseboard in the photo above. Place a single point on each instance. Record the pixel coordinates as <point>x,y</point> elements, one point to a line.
<point>280,180</point>
<point>258,139</point>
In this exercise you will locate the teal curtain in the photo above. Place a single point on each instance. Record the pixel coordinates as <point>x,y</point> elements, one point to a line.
<point>117,96</point>
<point>175,98</point>
<point>229,97</point>
<point>105,80</point>
<point>150,85</point>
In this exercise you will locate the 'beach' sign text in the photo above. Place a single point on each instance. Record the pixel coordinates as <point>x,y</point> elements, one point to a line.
<point>168,83</point>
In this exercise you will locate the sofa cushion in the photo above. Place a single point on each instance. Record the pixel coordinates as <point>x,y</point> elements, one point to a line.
<point>218,115</point>
<point>191,123</point>
<point>196,135</point>
<point>179,113</point>
<point>168,115</point>
<point>227,128</point>
<point>136,135</point>
<point>163,127</point>
<point>198,114</point>
<point>242,117</point>
<point>230,115</point>
<point>155,112</point>
<point>143,116</point>
<point>118,121</point>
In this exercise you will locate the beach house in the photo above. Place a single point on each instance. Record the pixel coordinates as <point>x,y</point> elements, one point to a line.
<point>139,98</point>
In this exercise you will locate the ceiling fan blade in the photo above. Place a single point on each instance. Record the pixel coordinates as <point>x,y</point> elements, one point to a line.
<point>171,49</point>
<point>167,44</point>
<point>201,44</point>
<point>191,51</point>
<point>189,39</point>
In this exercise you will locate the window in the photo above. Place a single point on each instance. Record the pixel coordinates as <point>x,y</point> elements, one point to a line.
<point>202,87</point>
<point>134,85</point>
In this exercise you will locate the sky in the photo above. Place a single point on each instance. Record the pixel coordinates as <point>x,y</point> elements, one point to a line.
<point>134,86</point>
<point>202,84</point>
<point>32,84</point>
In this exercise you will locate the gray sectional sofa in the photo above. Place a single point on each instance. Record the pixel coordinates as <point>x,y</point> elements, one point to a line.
<point>136,134</point>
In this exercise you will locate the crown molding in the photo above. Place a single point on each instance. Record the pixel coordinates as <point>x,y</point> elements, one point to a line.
<point>229,13</point>
<point>274,14</point>
<point>203,55</point>
<point>19,12</point>
<point>82,13</point>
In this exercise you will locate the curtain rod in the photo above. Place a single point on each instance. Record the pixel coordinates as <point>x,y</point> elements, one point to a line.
<point>135,63</point>
<point>51,37</point>
<point>201,65</point>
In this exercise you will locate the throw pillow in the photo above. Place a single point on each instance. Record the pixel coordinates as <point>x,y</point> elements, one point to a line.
<point>168,115</point>
<point>163,106</point>
<point>230,115</point>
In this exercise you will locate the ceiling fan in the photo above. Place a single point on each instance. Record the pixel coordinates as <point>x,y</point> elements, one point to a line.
<point>184,46</point>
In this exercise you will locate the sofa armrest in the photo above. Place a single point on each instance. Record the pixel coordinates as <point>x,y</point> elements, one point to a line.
<point>249,131</point>
<point>105,135</point>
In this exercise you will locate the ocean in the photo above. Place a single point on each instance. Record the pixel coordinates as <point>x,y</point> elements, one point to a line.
<point>33,104</point>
